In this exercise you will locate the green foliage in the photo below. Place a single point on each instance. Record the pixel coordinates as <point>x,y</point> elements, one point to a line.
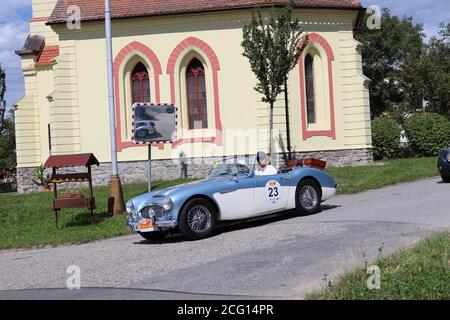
<point>383,173</point>
<point>271,46</point>
<point>418,273</point>
<point>428,133</point>
<point>390,59</point>
<point>28,220</point>
<point>435,70</point>
<point>385,138</point>
<point>8,147</point>
<point>7,133</point>
<point>40,180</point>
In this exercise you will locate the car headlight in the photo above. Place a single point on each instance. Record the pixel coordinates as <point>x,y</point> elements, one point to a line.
<point>130,207</point>
<point>167,204</point>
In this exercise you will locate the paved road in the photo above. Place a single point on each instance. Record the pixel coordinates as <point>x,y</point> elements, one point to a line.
<point>278,257</point>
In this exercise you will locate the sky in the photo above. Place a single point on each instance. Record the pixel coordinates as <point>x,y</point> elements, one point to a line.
<point>15,15</point>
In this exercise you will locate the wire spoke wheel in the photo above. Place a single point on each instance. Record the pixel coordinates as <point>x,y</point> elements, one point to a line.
<point>199,219</point>
<point>308,197</point>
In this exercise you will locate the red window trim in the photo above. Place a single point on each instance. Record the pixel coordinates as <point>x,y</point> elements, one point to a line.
<point>213,63</point>
<point>319,41</point>
<point>119,60</point>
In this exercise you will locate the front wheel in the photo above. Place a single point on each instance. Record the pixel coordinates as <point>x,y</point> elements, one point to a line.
<point>198,219</point>
<point>446,179</point>
<point>308,197</point>
<point>158,235</point>
<point>142,133</point>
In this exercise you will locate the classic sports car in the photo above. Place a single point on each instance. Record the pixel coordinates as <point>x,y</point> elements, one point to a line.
<point>231,192</point>
<point>145,128</point>
<point>444,165</point>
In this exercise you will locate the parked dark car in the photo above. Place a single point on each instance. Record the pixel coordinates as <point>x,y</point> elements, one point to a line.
<point>444,165</point>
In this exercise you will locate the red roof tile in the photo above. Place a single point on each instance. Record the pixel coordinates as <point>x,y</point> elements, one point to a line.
<point>71,160</point>
<point>94,9</point>
<point>48,54</point>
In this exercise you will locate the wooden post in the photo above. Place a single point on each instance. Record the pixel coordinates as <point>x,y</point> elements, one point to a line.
<point>91,195</point>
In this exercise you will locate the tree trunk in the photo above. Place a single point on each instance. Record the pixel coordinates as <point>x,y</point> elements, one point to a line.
<point>271,129</point>
<point>288,125</point>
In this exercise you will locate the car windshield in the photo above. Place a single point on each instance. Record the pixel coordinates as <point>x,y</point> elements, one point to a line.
<point>233,166</point>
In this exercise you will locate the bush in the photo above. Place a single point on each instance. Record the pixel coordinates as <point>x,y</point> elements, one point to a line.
<point>428,133</point>
<point>385,138</point>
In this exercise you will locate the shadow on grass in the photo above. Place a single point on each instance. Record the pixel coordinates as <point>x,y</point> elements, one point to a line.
<point>84,218</point>
<point>225,227</point>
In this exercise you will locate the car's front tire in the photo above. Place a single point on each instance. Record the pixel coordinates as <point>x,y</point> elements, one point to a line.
<point>154,236</point>
<point>142,133</point>
<point>198,219</point>
<point>308,197</point>
<point>446,179</point>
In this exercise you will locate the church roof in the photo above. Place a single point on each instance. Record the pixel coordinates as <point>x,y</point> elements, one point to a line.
<point>94,9</point>
<point>48,54</point>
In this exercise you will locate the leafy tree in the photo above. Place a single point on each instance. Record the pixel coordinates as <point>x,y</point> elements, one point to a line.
<point>271,47</point>
<point>7,133</point>
<point>435,72</point>
<point>391,56</point>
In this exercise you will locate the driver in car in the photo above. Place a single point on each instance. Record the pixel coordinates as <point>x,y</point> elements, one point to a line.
<point>264,168</point>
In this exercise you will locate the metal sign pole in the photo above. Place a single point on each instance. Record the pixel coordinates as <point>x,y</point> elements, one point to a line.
<point>115,197</point>
<point>149,168</point>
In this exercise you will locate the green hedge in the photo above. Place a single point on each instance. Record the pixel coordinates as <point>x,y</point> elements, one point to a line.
<point>428,133</point>
<point>385,138</point>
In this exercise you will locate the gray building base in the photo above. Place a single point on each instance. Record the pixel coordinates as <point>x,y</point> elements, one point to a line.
<point>137,171</point>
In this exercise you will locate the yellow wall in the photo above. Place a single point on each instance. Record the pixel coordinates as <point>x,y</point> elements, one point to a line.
<point>79,113</point>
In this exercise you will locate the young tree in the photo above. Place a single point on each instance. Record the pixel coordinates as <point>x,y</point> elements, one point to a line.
<point>271,47</point>
<point>391,58</point>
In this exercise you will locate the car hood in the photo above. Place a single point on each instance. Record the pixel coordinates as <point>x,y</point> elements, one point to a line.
<point>205,183</point>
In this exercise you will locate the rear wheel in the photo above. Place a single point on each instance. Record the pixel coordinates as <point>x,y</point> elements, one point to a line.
<point>308,197</point>
<point>446,179</point>
<point>198,219</point>
<point>159,235</point>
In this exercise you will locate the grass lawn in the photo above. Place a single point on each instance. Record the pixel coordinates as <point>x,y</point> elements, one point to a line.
<point>28,220</point>
<point>383,173</point>
<point>418,273</point>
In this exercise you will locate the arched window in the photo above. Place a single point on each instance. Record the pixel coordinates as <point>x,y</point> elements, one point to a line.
<point>140,84</point>
<point>196,95</point>
<point>310,91</point>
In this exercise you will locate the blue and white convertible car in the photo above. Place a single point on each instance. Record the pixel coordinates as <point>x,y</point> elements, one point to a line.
<point>231,192</point>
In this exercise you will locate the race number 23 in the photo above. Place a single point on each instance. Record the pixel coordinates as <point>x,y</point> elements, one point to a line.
<point>273,191</point>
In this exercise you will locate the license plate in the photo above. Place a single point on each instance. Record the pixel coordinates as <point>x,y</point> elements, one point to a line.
<point>146,226</point>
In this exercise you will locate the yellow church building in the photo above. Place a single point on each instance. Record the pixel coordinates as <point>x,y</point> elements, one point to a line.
<point>186,52</point>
